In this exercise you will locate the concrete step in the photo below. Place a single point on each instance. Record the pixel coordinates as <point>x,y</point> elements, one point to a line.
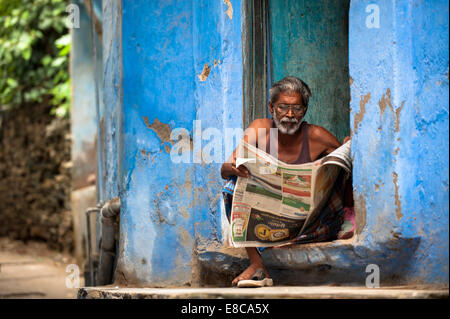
<point>310,292</point>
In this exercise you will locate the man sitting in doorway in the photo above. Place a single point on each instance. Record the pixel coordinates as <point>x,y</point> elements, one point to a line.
<point>298,143</point>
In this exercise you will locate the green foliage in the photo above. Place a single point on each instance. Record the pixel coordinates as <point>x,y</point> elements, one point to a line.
<point>34,54</point>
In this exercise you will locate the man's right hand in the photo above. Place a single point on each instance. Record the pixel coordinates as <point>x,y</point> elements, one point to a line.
<point>229,169</point>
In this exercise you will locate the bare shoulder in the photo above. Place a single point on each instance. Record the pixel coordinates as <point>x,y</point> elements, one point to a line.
<point>320,135</point>
<point>251,133</point>
<point>261,123</point>
<point>317,132</point>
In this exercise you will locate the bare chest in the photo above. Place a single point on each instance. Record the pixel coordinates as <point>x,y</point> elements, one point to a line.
<point>290,152</point>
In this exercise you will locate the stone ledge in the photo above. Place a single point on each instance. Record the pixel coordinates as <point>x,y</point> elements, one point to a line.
<point>340,262</point>
<point>312,292</point>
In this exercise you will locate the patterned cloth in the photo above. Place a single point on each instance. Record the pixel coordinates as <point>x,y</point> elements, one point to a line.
<point>227,193</point>
<point>327,224</point>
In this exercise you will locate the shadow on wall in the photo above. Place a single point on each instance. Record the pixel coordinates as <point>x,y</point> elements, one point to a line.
<point>337,262</point>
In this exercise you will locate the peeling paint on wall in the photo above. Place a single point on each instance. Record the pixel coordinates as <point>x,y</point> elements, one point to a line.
<point>229,11</point>
<point>385,101</point>
<point>397,116</point>
<point>162,130</point>
<point>362,111</point>
<point>204,75</point>
<point>360,212</point>
<point>398,204</point>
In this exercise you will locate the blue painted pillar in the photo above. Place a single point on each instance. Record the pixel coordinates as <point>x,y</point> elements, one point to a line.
<point>398,59</point>
<point>181,63</point>
<point>83,114</point>
<point>83,124</point>
<point>111,115</point>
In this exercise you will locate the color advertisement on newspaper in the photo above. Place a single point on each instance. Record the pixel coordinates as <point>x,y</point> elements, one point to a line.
<point>273,205</point>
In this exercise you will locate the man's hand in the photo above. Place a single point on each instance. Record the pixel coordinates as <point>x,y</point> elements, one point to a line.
<point>229,169</point>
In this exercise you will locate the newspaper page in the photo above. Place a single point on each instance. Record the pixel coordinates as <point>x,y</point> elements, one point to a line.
<point>275,202</point>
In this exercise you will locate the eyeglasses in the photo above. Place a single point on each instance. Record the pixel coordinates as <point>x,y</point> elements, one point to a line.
<point>296,108</point>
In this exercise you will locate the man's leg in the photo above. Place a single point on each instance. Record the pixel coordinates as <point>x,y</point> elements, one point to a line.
<point>252,252</point>
<point>255,263</point>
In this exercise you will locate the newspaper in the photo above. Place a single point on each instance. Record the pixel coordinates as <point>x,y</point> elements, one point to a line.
<point>276,202</point>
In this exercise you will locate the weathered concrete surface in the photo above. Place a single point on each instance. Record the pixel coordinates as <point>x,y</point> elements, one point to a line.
<point>341,262</point>
<point>318,292</point>
<point>33,271</point>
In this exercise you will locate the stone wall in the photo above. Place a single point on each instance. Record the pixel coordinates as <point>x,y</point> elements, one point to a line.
<point>35,177</point>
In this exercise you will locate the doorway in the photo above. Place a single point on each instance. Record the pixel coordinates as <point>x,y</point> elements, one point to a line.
<point>307,39</point>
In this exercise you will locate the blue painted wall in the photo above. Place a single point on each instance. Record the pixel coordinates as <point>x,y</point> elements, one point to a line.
<point>83,114</point>
<point>170,209</point>
<point>399,122</point>
<point>84,126</point>
<point>111,112</point>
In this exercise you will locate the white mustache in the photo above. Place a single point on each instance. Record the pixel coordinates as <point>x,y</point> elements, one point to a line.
<point>288,120</point>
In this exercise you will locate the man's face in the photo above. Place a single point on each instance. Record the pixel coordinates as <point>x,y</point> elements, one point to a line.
<point>288,112</point>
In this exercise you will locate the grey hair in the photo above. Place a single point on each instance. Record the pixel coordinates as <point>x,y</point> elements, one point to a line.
<point>290,84</point>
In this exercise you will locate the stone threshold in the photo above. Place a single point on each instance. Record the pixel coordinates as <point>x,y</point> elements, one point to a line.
<point>282,292</point>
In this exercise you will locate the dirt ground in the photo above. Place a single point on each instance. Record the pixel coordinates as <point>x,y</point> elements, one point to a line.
<point>33,271</point>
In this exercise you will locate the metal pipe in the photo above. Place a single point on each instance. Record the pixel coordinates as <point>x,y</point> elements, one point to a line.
<point>109,213</point>
<point>88,226</point>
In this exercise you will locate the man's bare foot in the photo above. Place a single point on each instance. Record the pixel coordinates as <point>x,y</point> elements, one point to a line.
<point>248,273</point>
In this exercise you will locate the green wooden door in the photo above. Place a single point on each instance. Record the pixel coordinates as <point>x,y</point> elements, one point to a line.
<point>309,39</point>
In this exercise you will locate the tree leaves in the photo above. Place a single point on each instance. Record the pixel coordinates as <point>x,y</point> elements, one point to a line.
<point>34,53</point>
